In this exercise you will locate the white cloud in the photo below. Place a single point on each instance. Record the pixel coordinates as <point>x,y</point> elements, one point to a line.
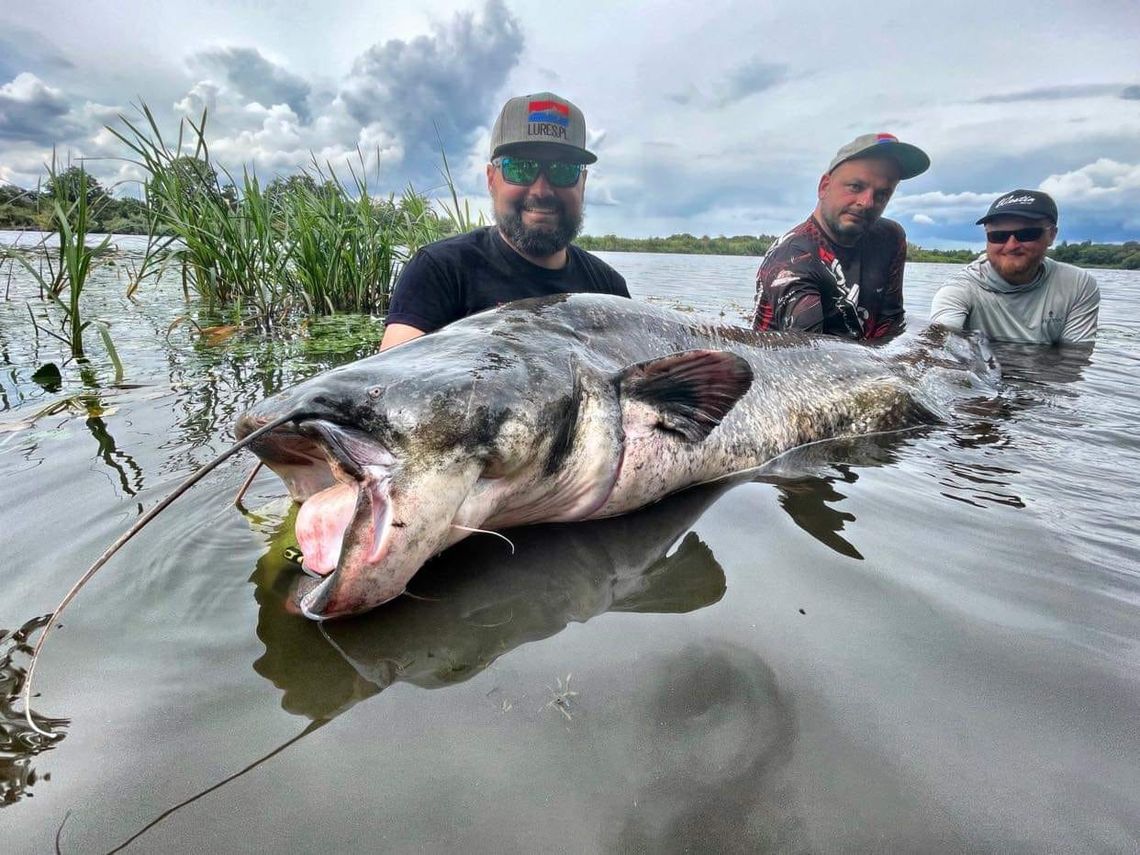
<point>1104,182</point>
<point>714,121</point>
<point>203,95</point>
<point>28,89</point>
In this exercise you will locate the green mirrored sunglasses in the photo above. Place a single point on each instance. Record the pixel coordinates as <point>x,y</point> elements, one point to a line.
<point>524,171</point>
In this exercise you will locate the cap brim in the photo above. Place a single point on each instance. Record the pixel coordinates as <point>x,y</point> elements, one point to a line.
<point>546,151</point>
<point>1025,215</point>
<point>911,159</point>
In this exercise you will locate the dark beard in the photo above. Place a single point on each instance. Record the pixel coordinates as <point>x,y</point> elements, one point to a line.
<point>539,242</point>
<point>846,235</point>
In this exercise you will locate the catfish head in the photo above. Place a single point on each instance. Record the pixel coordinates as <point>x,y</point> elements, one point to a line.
<point>399,455</point>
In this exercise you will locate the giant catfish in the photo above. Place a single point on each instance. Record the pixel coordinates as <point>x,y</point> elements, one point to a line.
<point>566,408</point>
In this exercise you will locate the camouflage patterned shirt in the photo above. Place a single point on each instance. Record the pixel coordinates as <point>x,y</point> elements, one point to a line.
<point>808,282</point>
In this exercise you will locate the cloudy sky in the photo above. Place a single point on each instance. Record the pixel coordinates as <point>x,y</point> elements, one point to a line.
<point>711,118</point>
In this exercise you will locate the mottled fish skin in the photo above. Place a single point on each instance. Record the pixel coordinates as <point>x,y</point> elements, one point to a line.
<point>576,407</point>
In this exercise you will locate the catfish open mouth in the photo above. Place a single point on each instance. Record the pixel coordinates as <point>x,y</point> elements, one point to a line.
<point>342,477</point>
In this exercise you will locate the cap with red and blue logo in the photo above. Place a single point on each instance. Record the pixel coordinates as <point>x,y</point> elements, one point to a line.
<point>543,125</point>
<point>911,159</point>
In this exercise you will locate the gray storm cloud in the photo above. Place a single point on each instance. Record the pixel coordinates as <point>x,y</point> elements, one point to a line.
<point>32,111</point>
<point>748,78</point>
<point>1064,93</point>
<point>258,79</point>
<point>448,81</point>
<point>751,78</point>
<point>24,50</point>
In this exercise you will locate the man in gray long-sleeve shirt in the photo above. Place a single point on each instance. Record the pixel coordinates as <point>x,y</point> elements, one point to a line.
<point>1016,293</point>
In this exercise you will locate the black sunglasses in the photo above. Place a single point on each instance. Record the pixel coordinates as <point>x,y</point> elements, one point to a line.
<point>523,171</point>
<point>1027,235</point>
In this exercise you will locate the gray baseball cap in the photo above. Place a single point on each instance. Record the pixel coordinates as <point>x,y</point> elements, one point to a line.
<point>543,125</point>
<point>911,159</point>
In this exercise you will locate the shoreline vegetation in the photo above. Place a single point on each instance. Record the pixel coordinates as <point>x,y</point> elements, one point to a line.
<point>24,209</point>
<point>1125,256</point>
<point>263,254</point>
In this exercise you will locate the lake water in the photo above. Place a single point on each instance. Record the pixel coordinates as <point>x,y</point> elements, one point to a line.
<point>923,643</point>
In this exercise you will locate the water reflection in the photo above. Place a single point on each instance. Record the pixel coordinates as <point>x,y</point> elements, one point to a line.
<point>130,474</point>
<point>808,501</point>
<point>1052,366</point>
<point>213,385</point>
<point>806,479</point>
<point>719,736</point>
<point>1033,377</point>
<point>18,742</point>
<point>476,602</point>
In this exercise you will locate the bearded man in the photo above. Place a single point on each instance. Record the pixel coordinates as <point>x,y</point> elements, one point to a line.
<point>537,182</point>
<point>840,272</point>
<point>1015,292</point>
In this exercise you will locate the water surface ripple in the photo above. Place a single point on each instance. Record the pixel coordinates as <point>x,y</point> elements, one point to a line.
<point>924,642</point>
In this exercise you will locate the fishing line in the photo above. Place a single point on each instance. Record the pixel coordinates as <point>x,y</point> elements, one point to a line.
<point>114,547</point>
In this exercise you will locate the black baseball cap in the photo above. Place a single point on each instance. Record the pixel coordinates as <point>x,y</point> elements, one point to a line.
<point>1031,204</point>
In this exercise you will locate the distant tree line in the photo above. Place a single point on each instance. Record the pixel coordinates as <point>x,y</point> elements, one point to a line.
<point>22,209</point>
<point>939,256</point>
<point>686,244</point>
<point>32,209</point>
<point>1088,254</point>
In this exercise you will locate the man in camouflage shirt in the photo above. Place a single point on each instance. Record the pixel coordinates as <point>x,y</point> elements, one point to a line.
<point>840,272</point>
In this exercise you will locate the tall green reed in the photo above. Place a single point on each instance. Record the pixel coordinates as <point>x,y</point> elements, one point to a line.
<point>347,244</point>
<point>459,216</point>
<point>64,282</point>
<point>312,244</point>
<point>225,241</point>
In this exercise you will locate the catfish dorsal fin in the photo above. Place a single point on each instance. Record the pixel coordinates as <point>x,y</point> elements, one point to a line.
<point>691,391</point>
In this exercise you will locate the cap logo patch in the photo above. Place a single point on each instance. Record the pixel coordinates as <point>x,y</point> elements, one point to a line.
<point>547,119</point>
<point>548,111</point>
<point>1015,200</point>
<point>885,138</point>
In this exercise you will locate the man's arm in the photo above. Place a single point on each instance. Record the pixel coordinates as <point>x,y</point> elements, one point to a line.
<point>950,306</point>
<point>788,294</point>
<point>422,302</point>
<point>395,334</point>
<point>1080,325</point>
<point>892,315</point>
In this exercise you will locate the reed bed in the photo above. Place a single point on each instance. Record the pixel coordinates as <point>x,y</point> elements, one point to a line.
<point>65,278</point>
<point>311,244</point>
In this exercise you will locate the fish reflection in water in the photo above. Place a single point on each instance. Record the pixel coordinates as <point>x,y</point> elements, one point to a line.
<point>721,732</point>
<point>476,602</point>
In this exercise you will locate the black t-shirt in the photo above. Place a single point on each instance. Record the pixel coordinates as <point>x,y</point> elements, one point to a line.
<point>459,276</point>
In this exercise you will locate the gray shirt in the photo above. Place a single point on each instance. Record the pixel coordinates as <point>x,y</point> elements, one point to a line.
<point>1059,306</point>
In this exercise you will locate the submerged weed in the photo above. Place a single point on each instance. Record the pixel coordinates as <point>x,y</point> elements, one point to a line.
<point>560,697</point>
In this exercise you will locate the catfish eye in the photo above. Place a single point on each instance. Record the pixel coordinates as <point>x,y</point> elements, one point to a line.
<point>375,392</point>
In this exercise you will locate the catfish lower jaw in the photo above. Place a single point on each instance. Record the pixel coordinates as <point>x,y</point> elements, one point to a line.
<point>345,534</point>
